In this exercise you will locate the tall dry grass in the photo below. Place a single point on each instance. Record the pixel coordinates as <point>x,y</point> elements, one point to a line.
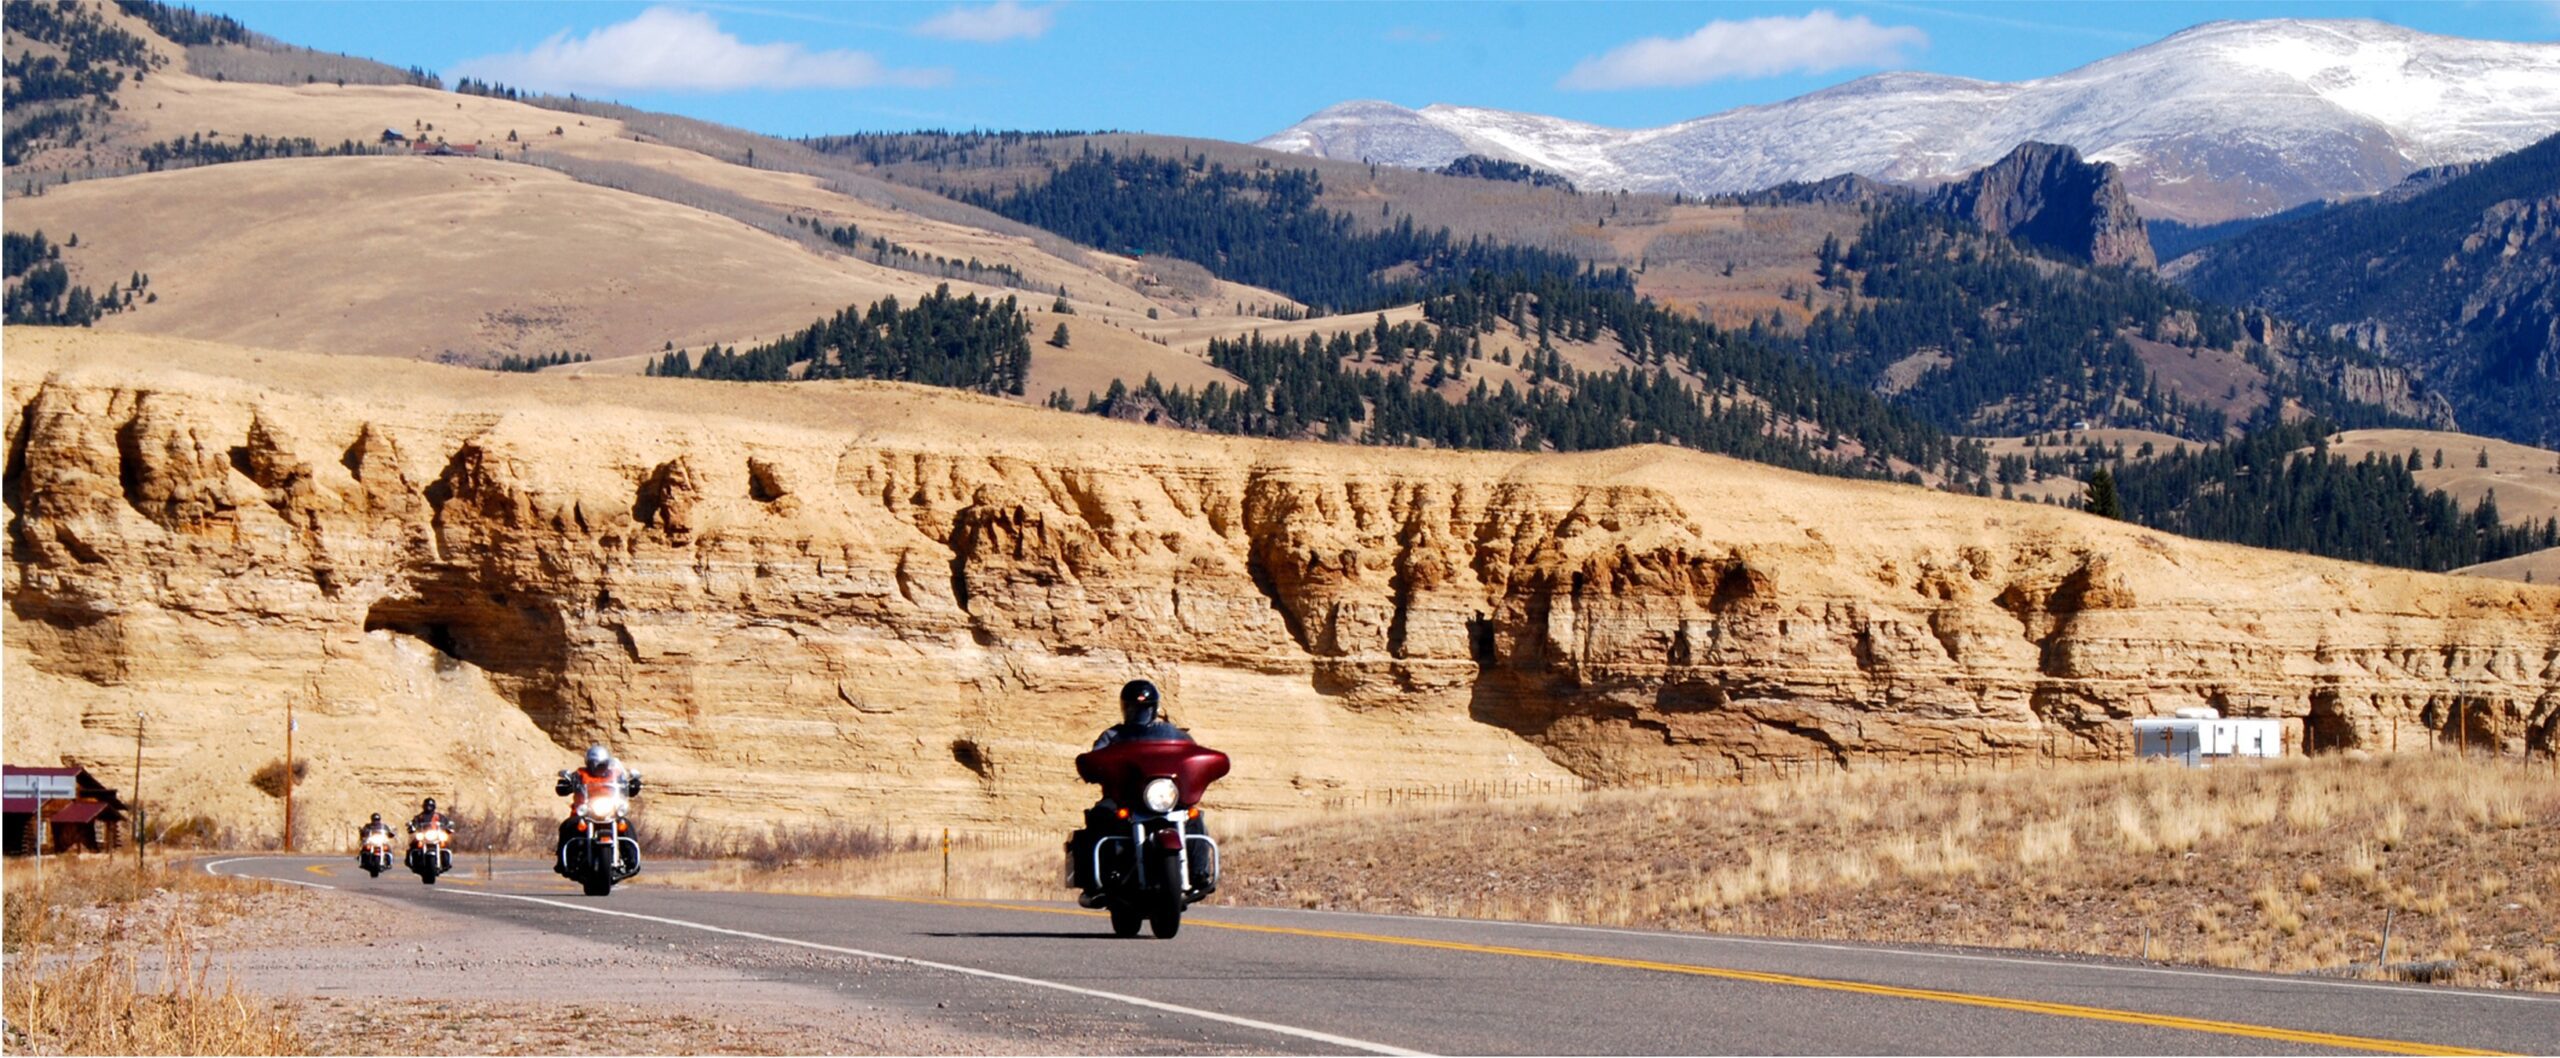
<point>104,959</point>
<point>861,861</point>
<point>2289,866</point>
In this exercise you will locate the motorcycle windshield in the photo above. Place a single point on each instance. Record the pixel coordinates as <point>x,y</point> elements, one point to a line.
<point>1123,768</point>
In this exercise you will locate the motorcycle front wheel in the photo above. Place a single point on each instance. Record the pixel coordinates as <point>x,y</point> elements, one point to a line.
<point>599,886</point>
<point>1126,920</point>
<point>1166,919</point>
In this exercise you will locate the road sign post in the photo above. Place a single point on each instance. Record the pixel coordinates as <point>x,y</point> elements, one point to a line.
<point>288,774</point>
<point>140,821</point>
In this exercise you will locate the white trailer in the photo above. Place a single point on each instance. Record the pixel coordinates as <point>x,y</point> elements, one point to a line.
<point>2201,738</point>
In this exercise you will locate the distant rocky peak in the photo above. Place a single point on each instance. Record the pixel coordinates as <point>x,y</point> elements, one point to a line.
<point>2047,196</point>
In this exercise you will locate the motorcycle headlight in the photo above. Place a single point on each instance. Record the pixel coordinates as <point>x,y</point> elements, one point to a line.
<point>431,835</point>
<point>1161,795</point>
<point>603,807</point>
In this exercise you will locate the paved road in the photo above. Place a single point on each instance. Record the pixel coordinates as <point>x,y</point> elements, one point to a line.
<point>1260,980</point>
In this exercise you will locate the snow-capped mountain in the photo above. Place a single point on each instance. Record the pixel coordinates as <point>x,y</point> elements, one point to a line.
<point>2228,119</point>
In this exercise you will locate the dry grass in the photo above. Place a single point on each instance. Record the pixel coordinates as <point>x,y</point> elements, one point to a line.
<point>102,960</point>
<point>865,863</point>
<point>2286,867</point>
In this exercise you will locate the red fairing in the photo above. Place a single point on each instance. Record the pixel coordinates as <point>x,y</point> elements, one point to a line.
<point>1123,768</point>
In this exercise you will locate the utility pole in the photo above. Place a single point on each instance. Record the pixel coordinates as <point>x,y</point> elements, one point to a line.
<point>138,819</point>
<point>288,774</point>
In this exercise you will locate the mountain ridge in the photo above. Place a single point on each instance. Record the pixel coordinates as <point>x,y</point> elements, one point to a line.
<point>2458,277</point>
<point>2291,110</point>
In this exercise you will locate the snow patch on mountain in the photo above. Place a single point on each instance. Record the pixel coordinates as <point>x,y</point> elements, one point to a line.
<point>2227,119</point>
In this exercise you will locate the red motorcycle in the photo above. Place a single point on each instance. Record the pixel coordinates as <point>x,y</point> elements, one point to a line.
<point>1146,855</point>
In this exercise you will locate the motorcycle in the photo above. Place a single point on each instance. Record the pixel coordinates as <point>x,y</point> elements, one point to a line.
<point>376,857</point>
<point>427,852</point>
<point>1161,859</point>
<point>602,851</point>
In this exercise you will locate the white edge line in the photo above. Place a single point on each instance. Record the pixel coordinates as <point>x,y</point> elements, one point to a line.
<point>1344,1041</point>
<point>209,869</point>
<point>1712,938</point>
<point>1138,1001</point>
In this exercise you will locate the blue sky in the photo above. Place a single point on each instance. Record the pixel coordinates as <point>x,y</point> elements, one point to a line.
<point>1243,70</point>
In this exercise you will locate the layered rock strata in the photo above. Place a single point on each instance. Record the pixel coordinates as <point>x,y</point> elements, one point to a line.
<point>875,602</point>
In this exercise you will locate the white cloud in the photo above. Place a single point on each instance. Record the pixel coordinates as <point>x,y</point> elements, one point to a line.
<point>1002,20</point>
<point>1754,47</point>
<point>669,48</point>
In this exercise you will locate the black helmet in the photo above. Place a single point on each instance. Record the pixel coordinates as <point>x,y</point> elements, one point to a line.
<point>430,806</point>
<point>1138,702</point>
<point>377,817</point>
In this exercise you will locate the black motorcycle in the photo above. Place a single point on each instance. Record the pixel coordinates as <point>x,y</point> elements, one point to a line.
<point>430,851</point>
<point>376,857</point>
<point>600,851</point>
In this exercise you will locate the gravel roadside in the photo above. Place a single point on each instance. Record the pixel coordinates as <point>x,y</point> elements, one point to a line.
<point>361,975</point>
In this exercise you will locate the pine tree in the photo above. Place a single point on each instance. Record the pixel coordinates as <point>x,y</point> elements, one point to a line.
<point>1060,338</point>
<point>2101,499</point>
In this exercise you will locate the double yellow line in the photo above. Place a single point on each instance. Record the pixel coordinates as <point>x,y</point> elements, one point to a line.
<point>1931,995</point>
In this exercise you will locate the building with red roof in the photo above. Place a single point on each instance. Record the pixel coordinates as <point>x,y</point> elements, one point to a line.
<point>66,807</point>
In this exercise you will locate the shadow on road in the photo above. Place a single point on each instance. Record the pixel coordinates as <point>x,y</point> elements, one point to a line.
<point>1027,935</point>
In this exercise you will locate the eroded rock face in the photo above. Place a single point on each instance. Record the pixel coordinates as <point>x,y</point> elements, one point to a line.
<point>916,607</point>
<point>2047,196</point>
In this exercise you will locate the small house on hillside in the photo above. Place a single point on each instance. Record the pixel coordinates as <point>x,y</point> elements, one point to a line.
<point>66,807</point>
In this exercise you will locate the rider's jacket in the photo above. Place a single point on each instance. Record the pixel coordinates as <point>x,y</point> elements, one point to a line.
<point>371,829</point>
<point>1158,730</point>
<point>584,783</point>
<point>423,820</point>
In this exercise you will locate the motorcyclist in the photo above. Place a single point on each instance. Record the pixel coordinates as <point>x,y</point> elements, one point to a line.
<point>598,776</point>
<point>377,826</point>
<point>1141,717</point>
<point>429,819</point>
<point>426,818</point>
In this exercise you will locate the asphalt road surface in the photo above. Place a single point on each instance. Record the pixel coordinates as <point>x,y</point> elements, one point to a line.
<point>1263,980</point>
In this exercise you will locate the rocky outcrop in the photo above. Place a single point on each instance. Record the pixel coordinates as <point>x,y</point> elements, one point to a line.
<point>2045,196</point>
<point>880,602</point>
<point>2456,279</point>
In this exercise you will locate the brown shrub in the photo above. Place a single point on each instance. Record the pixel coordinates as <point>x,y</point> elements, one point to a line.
<point>269,778</point>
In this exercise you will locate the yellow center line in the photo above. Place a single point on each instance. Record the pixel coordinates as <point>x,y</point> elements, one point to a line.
<point>320,870</point>
<point>2028,1006</point>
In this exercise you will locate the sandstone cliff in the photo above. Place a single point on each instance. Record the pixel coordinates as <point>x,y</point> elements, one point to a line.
<point>845,599</point>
